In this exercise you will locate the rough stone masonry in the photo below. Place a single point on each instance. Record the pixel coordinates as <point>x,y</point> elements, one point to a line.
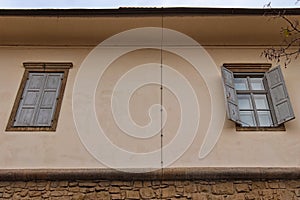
<point>172,190</point>
<point>166,184</point>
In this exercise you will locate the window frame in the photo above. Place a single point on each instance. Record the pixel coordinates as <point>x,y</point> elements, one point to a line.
<point>252,93</point>
<point>40,67</point>
<point>248,68</point>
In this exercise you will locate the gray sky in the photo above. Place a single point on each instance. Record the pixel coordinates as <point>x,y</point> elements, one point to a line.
<point>143,3</point>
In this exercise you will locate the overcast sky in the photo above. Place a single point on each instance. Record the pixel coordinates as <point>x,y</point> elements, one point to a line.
<point>143,3</point>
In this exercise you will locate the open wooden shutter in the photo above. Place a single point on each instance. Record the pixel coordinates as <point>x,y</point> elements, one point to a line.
<point>279,96</point>
<point>30,100</point>
<point>230,95</point>
<point>48,99</point>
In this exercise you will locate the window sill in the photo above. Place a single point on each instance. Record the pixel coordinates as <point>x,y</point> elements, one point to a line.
<point>277,128</point>
<point>31,128</point>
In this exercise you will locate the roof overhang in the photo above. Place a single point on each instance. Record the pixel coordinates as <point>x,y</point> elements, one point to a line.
<point>140,11</point>
<point>89,27</point>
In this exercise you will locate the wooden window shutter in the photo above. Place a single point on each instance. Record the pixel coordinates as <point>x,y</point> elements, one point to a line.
<point>279,96</point>
<point>230,95</point>
<point>30,100</point>
<point>39,99</point>
<point>48,99</point>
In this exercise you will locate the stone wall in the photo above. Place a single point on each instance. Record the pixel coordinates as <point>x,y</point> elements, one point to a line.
<point>169,183</point>
<point>105,189</point>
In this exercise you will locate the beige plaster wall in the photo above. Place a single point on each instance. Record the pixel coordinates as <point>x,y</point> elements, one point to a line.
<point>63,148</point>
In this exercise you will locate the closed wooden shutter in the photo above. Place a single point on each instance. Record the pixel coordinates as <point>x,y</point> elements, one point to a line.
<point>230,95</point>
<point>30,99</point>
<point>48,100</point>
<point>39,99</point>
<point>279,96</point>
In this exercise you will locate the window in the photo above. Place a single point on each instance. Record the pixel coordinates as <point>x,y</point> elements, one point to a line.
<point>39,98</point>
<point>257,99</point>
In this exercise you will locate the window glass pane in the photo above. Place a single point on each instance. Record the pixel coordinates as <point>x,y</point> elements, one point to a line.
<point>247,118</point>
<point>241,84</point>
<point>244,101</point>
<point>264,118</point>
<point>261,101</point>
<point>257,84</point>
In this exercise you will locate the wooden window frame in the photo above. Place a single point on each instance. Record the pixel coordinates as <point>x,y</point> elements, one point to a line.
<point>252,68</point>
<point>47,67</point>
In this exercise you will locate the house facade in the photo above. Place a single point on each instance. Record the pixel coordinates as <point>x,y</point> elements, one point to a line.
<point>146,103</point>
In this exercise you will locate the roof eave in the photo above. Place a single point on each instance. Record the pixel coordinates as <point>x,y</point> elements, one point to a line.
<point>133,11</point>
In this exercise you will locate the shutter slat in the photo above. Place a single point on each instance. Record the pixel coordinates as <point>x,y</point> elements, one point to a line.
<point>279,96</point>
<point>230,95</point>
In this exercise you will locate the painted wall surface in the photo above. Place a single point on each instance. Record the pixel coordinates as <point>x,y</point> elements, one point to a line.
<point>191,79</point>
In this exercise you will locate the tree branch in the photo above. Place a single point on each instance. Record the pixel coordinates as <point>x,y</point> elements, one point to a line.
<point>291,35</point>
